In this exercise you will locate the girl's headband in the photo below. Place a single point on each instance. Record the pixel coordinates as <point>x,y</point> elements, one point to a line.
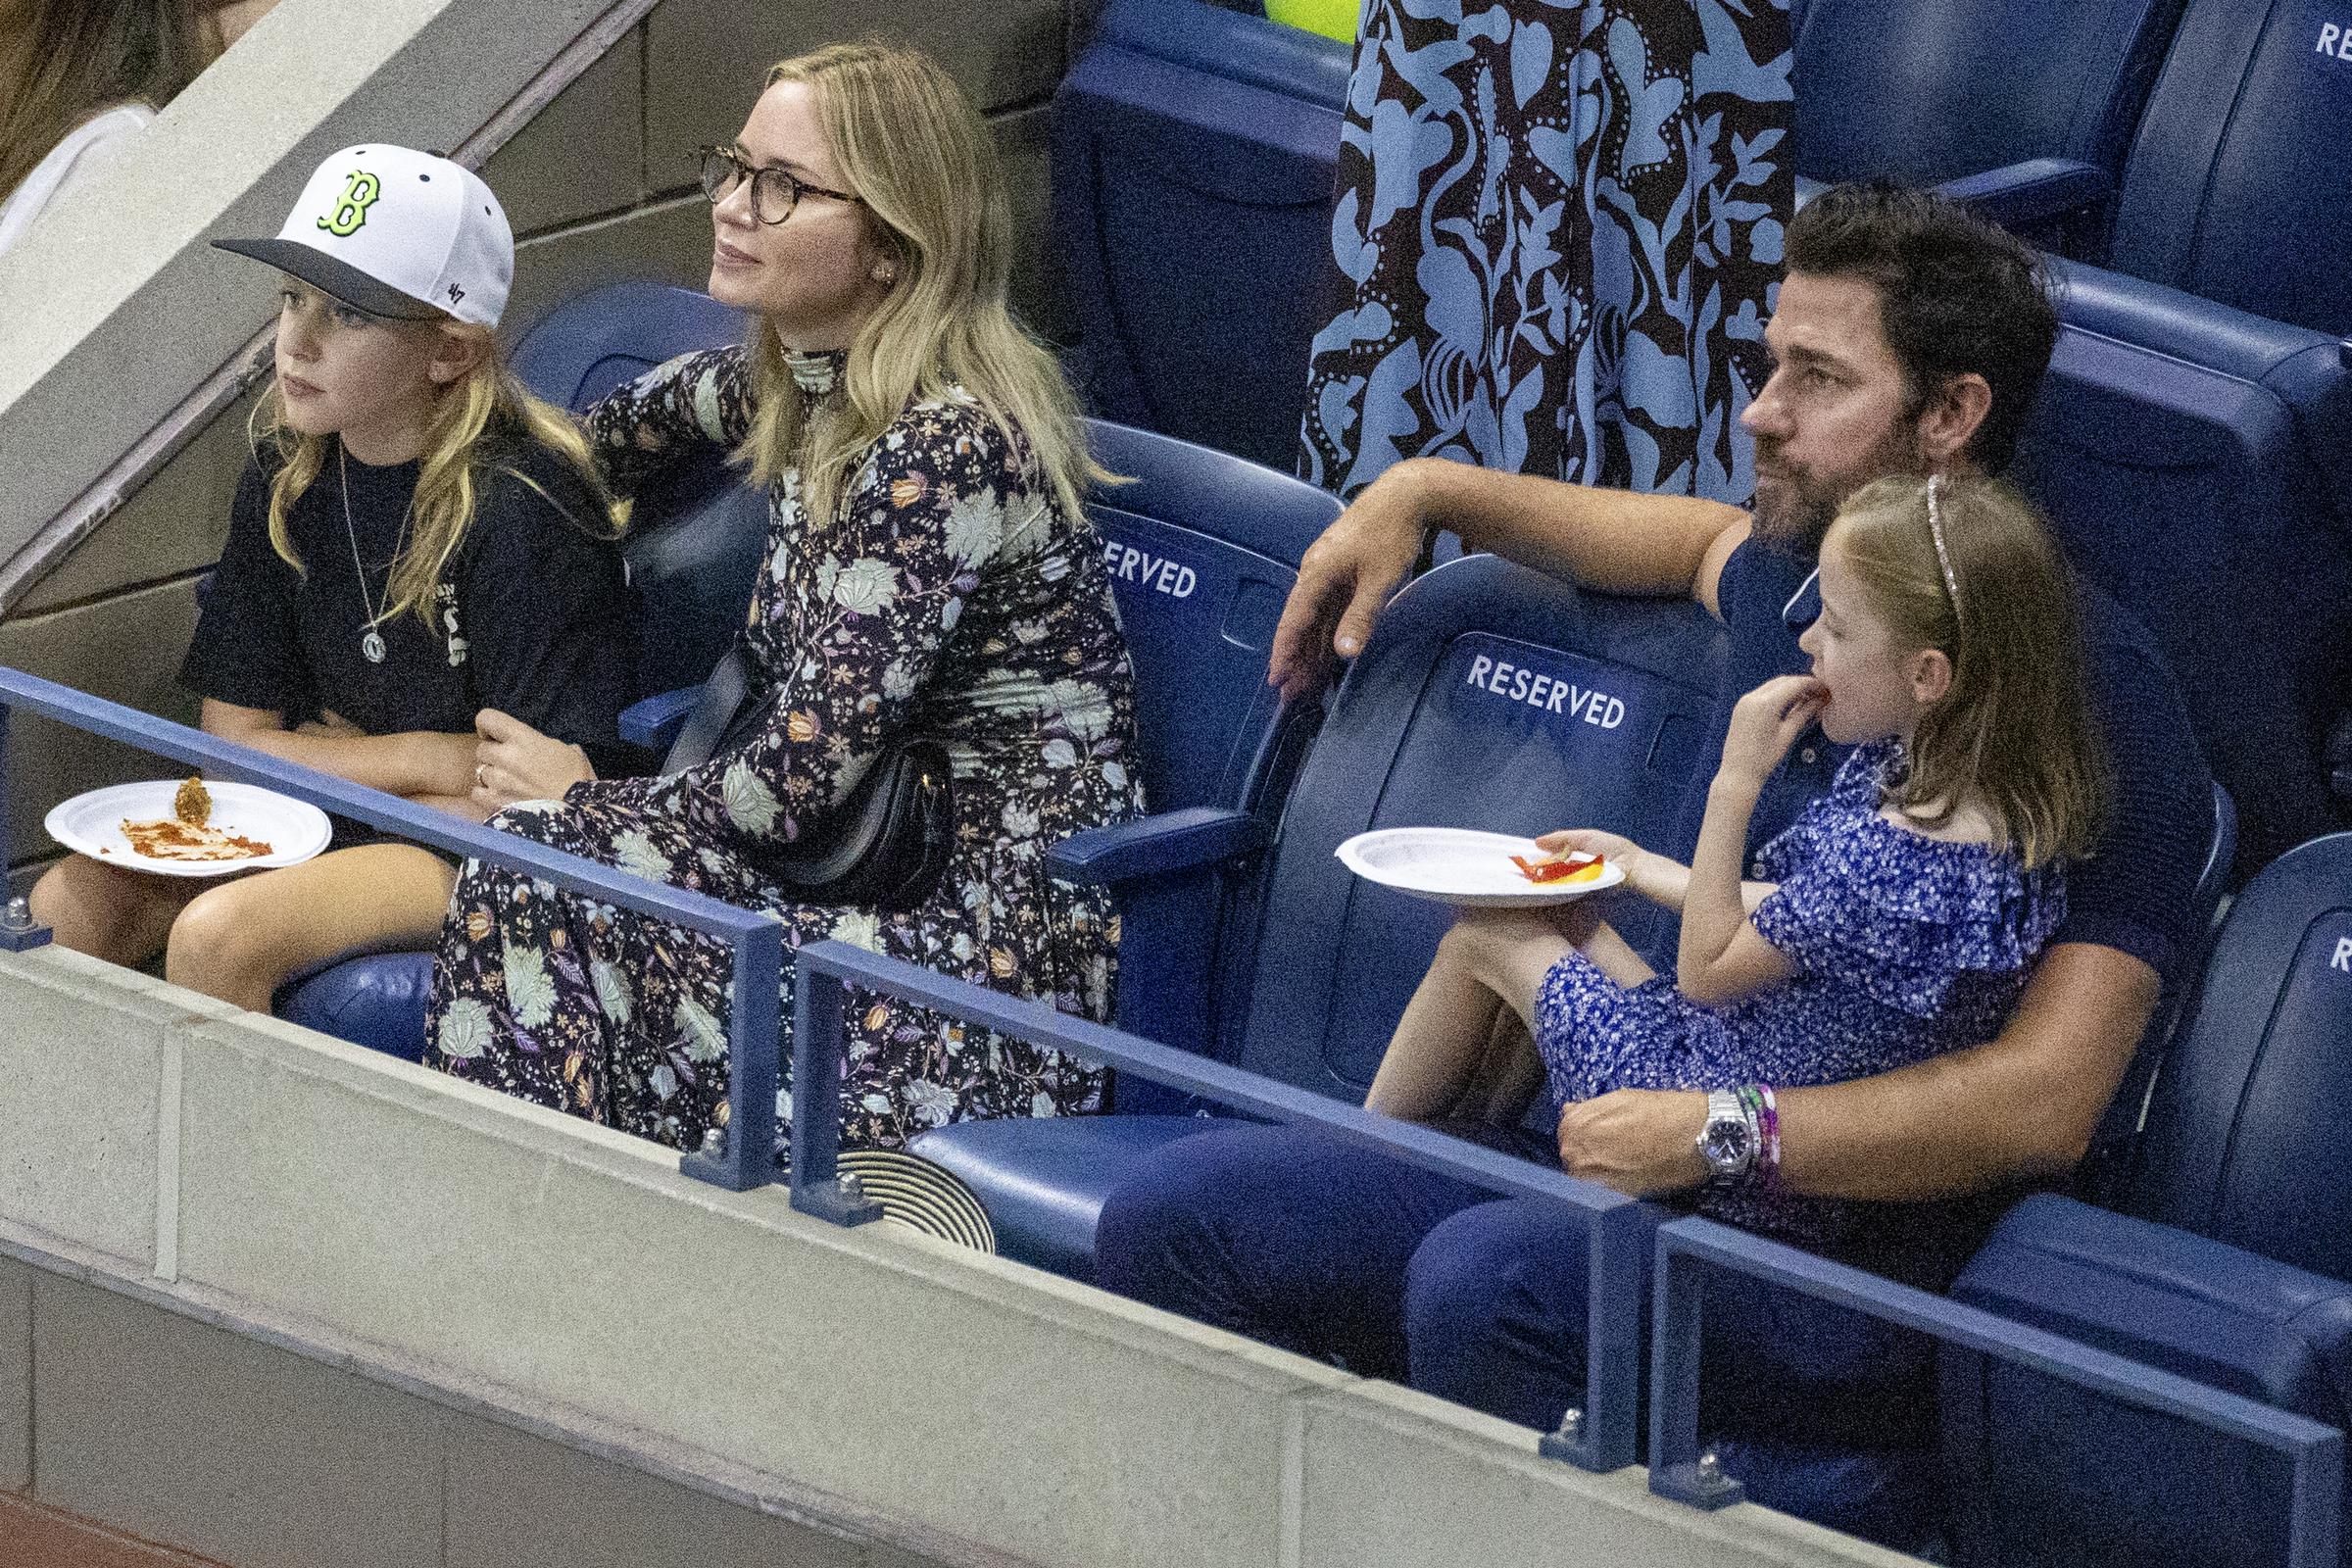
<point>1944,556</point>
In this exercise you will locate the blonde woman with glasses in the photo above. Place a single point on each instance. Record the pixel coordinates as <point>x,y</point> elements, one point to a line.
<point>930,576</point>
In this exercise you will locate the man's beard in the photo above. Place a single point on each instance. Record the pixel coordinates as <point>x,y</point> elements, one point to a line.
<point>1806,503</point>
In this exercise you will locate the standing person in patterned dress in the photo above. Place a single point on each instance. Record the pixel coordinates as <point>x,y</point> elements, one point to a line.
<point>1558,230</point>
<point>931,574</point>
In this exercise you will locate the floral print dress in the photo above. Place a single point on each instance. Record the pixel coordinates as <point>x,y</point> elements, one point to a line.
<point>949,597</point>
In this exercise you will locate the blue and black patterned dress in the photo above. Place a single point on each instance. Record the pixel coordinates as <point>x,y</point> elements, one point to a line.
<point>1558,231</point>
<point>949,597</point>
<point>1905,946</point>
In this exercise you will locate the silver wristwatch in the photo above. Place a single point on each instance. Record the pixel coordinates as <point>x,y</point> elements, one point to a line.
<point>1728,1138</point>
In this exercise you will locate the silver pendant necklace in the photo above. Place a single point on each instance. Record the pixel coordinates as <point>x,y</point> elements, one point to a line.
<point>371,641</point>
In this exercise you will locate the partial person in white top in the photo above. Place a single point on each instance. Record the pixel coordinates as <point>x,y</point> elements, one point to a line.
<point>77,74</point>
<point>64,166</point>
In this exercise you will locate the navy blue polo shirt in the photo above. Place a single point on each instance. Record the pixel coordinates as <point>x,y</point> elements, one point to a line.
<point>2135,892</point>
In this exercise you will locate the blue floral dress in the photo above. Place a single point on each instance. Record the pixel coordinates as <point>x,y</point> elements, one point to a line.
<point>950,595</point>
<point>1905,946</point>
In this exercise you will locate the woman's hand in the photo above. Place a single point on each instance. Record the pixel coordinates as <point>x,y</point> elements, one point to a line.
<point>512,762</point>
<point>1765,723</point>
<point>1346,575</point>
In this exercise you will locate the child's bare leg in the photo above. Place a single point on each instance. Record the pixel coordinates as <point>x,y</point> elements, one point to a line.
<point>1613,957</point>
<point>109,911</point>
<point>1508,1074</point>
<point>1487,964</point>
<point>242,940</point>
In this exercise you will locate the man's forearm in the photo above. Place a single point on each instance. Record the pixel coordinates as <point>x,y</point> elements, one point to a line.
<point>2026,1105</point>
<point>1616,541</point>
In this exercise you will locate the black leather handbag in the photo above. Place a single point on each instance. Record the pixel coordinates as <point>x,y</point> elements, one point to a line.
<point>888,844</point>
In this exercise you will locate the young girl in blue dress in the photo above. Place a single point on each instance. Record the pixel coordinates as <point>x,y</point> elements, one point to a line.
<point>1895,920</point>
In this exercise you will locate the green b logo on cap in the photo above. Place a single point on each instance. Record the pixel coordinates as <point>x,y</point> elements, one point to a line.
<point>359,192</point>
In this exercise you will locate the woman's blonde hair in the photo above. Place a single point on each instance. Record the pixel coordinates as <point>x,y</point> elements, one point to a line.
<point>485,403</point>
<point>63,61</point>
<point>912,147</point>
<point>2015,730</point>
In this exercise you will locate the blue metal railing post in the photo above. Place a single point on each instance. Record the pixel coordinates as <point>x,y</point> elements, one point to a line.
<point>746,1153</point>
<point>818,1046</point>
<point>18,929</point>
<point>1605,1438</point>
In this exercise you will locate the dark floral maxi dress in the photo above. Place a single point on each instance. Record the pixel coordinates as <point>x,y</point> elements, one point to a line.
<point>949,597</point>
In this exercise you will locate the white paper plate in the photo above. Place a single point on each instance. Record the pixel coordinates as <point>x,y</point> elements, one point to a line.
<point>92,823</point>
<point>1459,866</point>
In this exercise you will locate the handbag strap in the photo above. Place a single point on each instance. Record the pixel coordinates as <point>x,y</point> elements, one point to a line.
<point>715,711</point>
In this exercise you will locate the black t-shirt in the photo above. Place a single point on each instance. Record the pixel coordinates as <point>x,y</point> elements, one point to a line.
<point>2135,894</point>
<point>531,615</point>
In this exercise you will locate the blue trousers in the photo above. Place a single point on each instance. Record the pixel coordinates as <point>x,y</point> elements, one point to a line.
<point>1340,1252</point>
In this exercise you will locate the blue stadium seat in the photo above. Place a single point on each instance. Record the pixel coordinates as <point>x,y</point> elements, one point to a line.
<point>1194,161</point>
<point>2238,189</point>
<point>1489,697</point>
<point>2231,1265</point>
<point>2189,458</point>
<point>585,347</point>
<point>1930,90</point>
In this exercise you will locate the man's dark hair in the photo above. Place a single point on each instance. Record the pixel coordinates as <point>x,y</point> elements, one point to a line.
<point>1956,293</point>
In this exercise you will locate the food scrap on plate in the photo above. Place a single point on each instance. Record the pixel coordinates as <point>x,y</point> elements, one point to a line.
<point>187,834</point>
<point>1571,867</point>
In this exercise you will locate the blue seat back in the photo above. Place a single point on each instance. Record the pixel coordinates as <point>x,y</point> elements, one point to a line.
<point>2241,1144</point>
<point>1933,89</point>
<point>1194,163</point>
<point>2238,188</point>
<point>585,347</point>
<point>1489,697</point>
<point>2189,459</point>
<point>1201,548</point>
<point>695,551</point>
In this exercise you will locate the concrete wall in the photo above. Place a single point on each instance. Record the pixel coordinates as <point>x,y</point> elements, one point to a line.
<point>599,185</point>
<point>286,1302</point>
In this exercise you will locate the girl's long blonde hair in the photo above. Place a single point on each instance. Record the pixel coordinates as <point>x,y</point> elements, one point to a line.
<point>484,402</point>
<point>2015,730</point>
<point>63,61</point>
<point>911,145</point>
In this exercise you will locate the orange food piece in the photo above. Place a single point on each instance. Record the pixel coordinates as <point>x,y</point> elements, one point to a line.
<point>1568,869</point>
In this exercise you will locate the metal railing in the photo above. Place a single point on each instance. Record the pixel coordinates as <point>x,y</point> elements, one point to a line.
<point>1689,1248</point>
<point>733,1162</point>
<point>1600,1433</point>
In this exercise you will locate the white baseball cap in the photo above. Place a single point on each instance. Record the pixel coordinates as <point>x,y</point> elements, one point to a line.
<point>396,233</point>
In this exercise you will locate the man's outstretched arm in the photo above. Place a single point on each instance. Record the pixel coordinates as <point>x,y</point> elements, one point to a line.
<point>1612,540</point>
<point>2025,1104</point>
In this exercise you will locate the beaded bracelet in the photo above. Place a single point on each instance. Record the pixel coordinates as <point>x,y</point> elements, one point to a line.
<point>1767,1171</point>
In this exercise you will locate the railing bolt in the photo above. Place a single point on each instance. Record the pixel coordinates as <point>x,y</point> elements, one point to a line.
<point>1710,1469</point>
<point>714,1142</point>
<point>19,914</point>
<point>850,1185</point>
<point>1572,1425</point>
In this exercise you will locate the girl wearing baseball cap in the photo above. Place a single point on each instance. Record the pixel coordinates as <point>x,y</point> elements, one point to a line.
<point>931,577</point>
<point>417,538</point>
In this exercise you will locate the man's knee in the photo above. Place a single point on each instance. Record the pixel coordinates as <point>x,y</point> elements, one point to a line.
<point>1494,1309</point>
<point>1165,1221</point>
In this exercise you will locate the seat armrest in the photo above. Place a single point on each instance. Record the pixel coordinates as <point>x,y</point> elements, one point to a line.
<point>653,722</point>
<point>1158,846</point>
<point>2037,193</point>
<point>2204,1309</point>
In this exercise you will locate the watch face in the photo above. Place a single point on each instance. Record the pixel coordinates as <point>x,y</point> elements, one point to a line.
<point>1724,1141</point>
